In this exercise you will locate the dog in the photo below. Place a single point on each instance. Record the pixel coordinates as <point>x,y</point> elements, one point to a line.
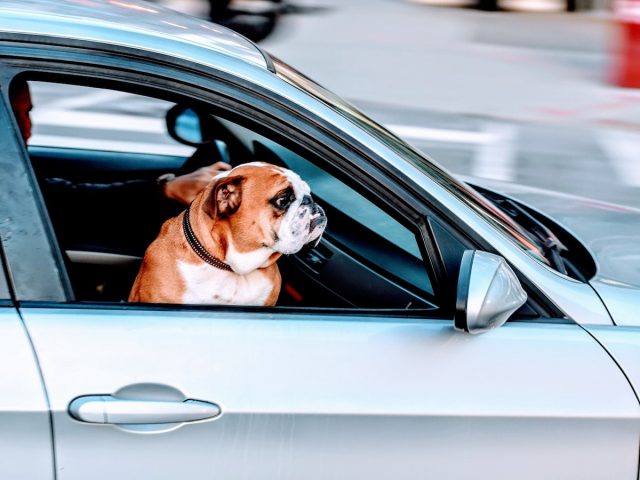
<point>223,248</point>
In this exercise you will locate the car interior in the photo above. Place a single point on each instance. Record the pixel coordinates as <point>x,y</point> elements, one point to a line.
<point>106,209</point>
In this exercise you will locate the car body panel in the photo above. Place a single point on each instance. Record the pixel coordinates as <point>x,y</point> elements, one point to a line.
<point>26,449</point>
<point>131,23</point>
<point>610,232</point>
<point>339,396</point>
<point>622,344</point>
<point>622,302</point>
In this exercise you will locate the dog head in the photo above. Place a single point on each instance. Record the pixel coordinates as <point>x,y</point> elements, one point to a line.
<point>265,207</point>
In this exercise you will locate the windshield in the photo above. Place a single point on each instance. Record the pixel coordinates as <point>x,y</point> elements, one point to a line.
<point>460,190</point>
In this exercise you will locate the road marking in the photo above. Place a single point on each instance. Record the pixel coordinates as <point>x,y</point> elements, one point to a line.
<point>495,156</point>
<point>79,101</point>
<point>99,121</point>
<point>441,135</point>
<point>623,149</point>
<point>496,159</point>
<point>112,121</point>
<point>134,123</point>
<point>109,145</point>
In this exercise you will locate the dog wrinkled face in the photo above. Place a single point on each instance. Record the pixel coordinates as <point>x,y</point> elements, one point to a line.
<point>268,206</point>
<point>303,220</point>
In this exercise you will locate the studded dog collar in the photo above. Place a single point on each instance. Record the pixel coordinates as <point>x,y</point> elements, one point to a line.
<point>197,247</point>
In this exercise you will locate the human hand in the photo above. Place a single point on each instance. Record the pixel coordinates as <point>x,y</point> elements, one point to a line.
<point>184,188</point>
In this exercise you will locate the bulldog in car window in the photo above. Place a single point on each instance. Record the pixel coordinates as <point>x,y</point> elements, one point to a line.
<point>223,248</point>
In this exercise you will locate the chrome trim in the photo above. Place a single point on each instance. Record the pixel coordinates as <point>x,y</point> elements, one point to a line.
<point>101,258</point>
<point>108,409</point>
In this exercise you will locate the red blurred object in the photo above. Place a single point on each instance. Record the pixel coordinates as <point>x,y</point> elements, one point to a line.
<point>627,72</point>
<point>293,293</point>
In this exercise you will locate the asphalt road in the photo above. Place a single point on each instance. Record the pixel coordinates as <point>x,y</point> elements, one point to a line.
<point>554,133</point>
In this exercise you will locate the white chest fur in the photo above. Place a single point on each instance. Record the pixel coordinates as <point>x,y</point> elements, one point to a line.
<point>210,285</point>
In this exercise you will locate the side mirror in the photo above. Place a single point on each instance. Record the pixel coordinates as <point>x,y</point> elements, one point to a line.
<point>188,126</point>
<point>488,292</point>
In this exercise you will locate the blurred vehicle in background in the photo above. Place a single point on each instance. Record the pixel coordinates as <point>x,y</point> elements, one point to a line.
<point>255,19</point>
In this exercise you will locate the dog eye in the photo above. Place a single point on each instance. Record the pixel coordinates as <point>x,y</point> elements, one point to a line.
<point>282,201</point>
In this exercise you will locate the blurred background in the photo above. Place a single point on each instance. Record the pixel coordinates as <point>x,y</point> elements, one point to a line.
<point>540,92</point>
<point>515,90</point>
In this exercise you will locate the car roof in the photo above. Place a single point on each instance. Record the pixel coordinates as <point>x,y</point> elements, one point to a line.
<point>127,23</point>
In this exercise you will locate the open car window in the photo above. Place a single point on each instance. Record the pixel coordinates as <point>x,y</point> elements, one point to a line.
<point>98,172</point>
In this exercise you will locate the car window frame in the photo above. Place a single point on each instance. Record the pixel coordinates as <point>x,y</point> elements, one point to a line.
<point>20,199</point>
<point>93,75</point>
<point>6,296</point>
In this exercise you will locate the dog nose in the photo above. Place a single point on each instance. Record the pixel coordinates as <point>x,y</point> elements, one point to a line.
<point>306,200</point>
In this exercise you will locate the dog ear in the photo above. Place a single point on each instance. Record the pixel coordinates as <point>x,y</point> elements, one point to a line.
<point>226,197</point>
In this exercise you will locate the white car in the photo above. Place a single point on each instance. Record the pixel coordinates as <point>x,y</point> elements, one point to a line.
<point>437,331</point>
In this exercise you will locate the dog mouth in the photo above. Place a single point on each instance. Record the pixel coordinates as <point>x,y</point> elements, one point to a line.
<point>317,225</point>
<point>302,230</point>
<point>316,228</point>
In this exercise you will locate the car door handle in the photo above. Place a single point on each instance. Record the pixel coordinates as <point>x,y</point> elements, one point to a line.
<point>108,409</point>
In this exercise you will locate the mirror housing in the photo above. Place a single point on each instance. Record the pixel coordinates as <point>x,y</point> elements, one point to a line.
<point>488,292</point>
<point>187,126</point>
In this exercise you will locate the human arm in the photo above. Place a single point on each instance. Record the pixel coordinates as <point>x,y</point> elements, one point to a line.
<point>184,188</point>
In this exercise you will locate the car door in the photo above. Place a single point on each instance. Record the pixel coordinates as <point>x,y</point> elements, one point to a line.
<point>319,395</point>
<point>26,448</point>
<point>26,451</point>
